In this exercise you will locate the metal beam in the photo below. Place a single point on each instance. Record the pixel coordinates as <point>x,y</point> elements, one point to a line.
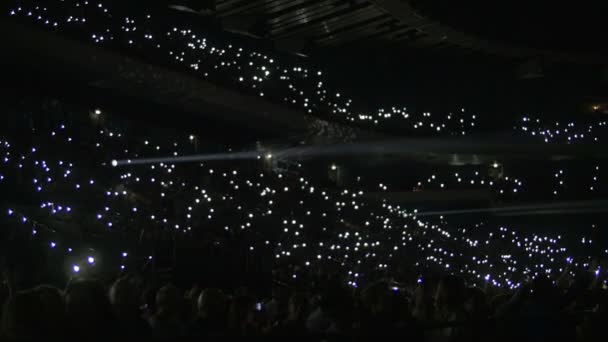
<point>403,11</point>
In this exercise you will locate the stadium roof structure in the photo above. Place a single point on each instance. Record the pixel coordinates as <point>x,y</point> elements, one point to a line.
<point>506,29</point>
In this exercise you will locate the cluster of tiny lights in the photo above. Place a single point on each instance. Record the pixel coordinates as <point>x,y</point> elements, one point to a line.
<point>301,221</point>
<point>224,62</point>
<point>585,183</point>
<point>313,224</point>
<point>589,131</point>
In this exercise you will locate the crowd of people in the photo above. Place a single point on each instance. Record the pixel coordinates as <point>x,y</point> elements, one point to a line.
<point>279,217</point>
<point>276,252</point>
<point>445,308</point>
<point>169,39</point>
<point>337,263</point>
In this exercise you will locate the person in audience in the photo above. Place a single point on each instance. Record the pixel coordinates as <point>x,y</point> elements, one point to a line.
<point>212,313</point>
<point>477,312</point>
<point>241,316</point>
<point>53,309</point>
<point>476,305</point>
<point>88,310</point>
<point>540,313</point>
<point>539,310</point>
<point>592,326</point>
<point>21,318</point>
<point>276,307</point>
<point>166,321</point>
<point>297,312</point>
<point>148,301</point>
<point>125,305</point>
<point>449,308</point>
<point>334,311</point>
<point>377,306</point>
<point>191,303</point>
<point>423,308</point>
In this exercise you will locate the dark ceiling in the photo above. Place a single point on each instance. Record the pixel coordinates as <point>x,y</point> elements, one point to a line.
<point>518,30</point>
<point>559,25</point>
<point>435,49</point>
<point>311,26</point>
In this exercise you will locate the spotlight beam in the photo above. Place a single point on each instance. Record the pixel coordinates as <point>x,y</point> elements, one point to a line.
<point>577,207</point>
<point>414,148</point>
<point>188,159</point>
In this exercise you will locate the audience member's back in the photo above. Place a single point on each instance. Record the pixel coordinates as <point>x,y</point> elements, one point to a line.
<point>88,310</point>
<point>212,314</point>
<point>240,315</point>
<point>166,321</point>
<point>36,313</point>
<point>124,298</point>
<point>297,312</point>
<point>377,301</point>
<point>334,313</point>
<point>449,305</point>
<point>423,308</point>
<point>542,318</point>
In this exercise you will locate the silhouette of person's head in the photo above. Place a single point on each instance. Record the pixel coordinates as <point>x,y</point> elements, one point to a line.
<point>476,303</point>
<point>212,303</point>
<point>241,312</point>
<point>168,301</point>
<point>21,317</point>
<point>124,298</point>
<point>298,307</point>
<point>450,293</point>
<point>88,309</point>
